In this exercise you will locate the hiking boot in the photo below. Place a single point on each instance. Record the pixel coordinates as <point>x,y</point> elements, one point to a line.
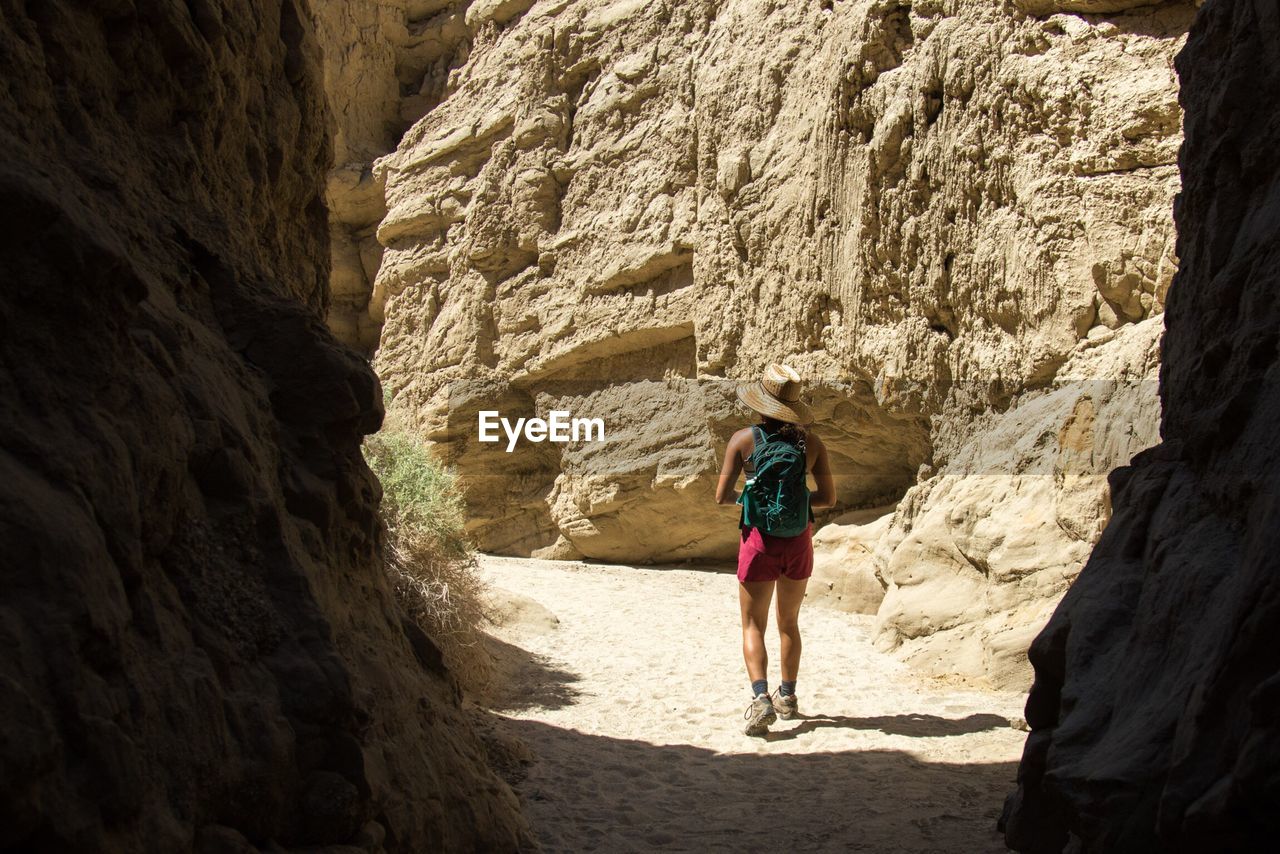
<point>759,715</point>
<point>786,706</point>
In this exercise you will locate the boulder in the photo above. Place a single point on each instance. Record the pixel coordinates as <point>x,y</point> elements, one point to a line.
<point>845,573</point>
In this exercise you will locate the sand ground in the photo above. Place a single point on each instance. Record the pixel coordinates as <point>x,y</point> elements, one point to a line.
<point>628,688</point>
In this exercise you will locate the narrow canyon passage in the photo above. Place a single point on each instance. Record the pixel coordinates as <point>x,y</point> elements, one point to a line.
<point>270,260</point>
<point>627,686</point>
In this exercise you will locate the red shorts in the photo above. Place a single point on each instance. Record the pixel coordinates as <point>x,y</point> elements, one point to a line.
<point>764,558</point>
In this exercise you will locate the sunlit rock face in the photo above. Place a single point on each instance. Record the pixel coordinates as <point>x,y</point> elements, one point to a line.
<point>384,64</point>
<point>977,555</point>
<point>1153,713</point>
<point>926,208</point>
<point>200,649</point>
<point>622,209</point>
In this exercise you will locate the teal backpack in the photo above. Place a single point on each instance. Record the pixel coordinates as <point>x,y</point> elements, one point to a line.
<point>776,497</point>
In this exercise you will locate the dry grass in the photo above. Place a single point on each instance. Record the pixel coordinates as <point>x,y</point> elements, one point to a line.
<point>428,558</point>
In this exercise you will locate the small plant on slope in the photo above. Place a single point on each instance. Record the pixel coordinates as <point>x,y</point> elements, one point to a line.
<point>428,558</point>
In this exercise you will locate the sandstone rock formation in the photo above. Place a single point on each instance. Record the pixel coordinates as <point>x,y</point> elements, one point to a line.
<point>978,555</point>
<point>845,571</point>
<point>385,64</point>
<point>359,41</point>
<point>201,652</point>
<point>619,208</point>
<point>1153,715</point>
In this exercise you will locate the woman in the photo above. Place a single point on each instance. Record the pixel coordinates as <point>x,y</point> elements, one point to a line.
<point>775,547</point>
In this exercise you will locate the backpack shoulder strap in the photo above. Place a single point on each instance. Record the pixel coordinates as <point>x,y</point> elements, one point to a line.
<point>759,439</point>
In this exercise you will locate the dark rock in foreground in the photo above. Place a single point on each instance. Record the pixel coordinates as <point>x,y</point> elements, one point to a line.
<point>1156,709</point>
<point>200,651</point>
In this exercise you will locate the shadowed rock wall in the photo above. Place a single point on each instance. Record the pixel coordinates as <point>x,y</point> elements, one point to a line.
<point>1154,711</point>
<point>200,650</point>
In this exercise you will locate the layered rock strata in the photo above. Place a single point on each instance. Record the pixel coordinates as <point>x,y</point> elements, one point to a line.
<point>930,209</point>
<point>619,209</point>
<point>386,62</point>
<point>1153,714</point>
<point>201,651</point>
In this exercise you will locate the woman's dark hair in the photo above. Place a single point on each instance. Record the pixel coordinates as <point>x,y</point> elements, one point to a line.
<point>783,429</point>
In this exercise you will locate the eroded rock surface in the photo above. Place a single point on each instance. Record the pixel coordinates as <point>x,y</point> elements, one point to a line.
<point>978,555</point>
<point>200,650</point>
<point>386,62</point>
<point>846,574</point>
<point>1153,714</point>
<point>615,209</point>
<point>929,209</point>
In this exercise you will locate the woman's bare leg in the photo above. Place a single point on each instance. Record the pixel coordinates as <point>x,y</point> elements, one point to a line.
<point>790,597</point>
<point>754,598</point>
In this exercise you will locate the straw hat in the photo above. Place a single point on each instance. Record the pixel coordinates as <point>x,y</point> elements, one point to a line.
<point>777,395</point>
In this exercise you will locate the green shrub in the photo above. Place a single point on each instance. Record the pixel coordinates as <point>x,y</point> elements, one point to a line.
<point>428,558</point>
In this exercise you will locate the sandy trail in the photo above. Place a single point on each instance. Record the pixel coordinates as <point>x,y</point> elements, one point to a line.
<point>632,707</point>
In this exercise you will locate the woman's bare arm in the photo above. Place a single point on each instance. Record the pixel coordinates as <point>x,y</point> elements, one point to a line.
<point>729,471</point>
<point>825,496</point>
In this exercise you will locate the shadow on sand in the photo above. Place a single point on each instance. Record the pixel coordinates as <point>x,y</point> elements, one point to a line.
<point>912,725</point>
<point>591,792</point>
<point>524,680</point>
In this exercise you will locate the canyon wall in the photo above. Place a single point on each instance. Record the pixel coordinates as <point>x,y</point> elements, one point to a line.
<point>953,218</point>
<point>1154,710</point>
<point>385,63</point>
<point>201,651</point>
<point>977,556</point>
